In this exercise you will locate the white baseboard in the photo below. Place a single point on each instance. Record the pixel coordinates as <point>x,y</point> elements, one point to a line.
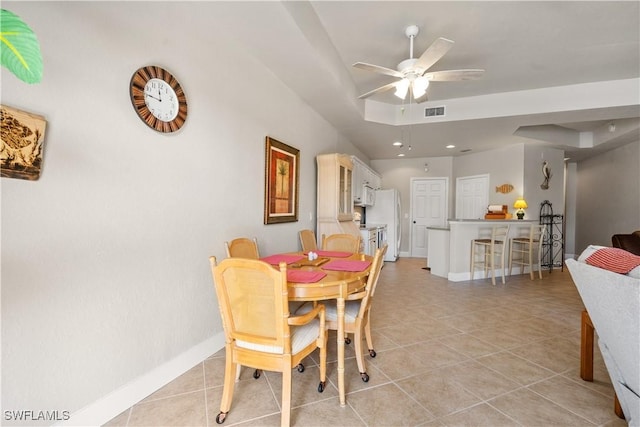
<point>464,276</point>
<point>114,403</point>
<point>404,254</point>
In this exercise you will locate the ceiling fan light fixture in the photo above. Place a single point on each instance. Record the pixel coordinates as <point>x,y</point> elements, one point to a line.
<point>420,86</point>
<point>402,87</point>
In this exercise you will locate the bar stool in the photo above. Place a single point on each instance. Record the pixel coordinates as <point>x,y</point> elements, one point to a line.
<point>491,248</point>
<point>522,250</point>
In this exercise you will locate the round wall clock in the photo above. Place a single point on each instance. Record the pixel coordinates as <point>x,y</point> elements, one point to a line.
<point>158,99</point>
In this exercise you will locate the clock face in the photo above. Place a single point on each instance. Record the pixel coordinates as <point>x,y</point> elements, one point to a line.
<point>158,99</point>
<point>161,100</point>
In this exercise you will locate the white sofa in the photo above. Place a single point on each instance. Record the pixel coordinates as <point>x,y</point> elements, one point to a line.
<point>613,303</point>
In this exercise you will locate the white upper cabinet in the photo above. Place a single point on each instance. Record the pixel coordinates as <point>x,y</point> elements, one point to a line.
<point>363,175</point>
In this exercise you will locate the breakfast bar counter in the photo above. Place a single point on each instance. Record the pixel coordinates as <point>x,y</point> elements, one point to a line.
<point>450,247</point>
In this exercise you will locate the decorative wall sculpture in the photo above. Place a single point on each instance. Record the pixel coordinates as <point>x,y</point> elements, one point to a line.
<point>22,140</point>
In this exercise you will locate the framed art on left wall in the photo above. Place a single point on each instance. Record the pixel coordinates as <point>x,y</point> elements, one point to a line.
<point>281,182</point>
<point>22,140</point>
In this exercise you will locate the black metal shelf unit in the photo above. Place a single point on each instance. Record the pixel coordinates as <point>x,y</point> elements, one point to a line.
<point>553,240</point>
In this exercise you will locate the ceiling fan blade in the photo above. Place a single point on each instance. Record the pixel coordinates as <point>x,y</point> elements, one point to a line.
<point>454,75</point>
<point>434,52</point>
<point>378,69</point>
<point>378,90</point>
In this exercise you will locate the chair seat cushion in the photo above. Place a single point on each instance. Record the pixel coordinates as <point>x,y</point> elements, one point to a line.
<point>301,336</point>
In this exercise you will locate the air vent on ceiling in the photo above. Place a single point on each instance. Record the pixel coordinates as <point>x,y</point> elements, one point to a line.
<point>434,111</point>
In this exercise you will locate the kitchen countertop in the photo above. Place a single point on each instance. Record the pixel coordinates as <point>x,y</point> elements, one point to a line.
<point>371,226</point>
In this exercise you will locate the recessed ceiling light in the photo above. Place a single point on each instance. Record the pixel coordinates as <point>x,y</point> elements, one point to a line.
<point>401,155</point>
<point>398,144</point>
<point>451,146</point>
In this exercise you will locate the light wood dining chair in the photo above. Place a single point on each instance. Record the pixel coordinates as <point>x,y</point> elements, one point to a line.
<point>259,330</point>
<point>523,250</point>
<point>357,313</point>
<point>489,250</point>
<point>242,247</point>
<point>308,240</point>
<point>341,242</point>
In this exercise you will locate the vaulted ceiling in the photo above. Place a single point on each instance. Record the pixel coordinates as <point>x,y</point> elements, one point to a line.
<point>561,73</point>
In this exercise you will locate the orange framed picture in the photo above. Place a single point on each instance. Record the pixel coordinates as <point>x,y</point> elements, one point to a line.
<point>281,182</point>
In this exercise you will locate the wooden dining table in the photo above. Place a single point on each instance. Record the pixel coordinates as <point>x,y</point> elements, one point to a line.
<point>336,285</point>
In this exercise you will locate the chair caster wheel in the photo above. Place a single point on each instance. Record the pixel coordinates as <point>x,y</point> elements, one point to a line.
<point>372,353</point>
<point>256,374</point>
<point>347,341</point>
<point>364,377</point>
<point>321,387</point>
<point>221,417</point>
<point>300,367</point>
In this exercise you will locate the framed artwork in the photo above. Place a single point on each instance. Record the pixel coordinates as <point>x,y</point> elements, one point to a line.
<point>281,182</point>
<point>21,140</point>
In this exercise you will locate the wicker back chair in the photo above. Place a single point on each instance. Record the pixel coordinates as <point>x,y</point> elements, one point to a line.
<point>341,242</point>
<point>308,240</point>
<point>242,247</point>
<point>357,313</point>
<point>259,331</point>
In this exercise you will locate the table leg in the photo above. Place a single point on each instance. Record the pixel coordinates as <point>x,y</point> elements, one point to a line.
<point>340,335</point>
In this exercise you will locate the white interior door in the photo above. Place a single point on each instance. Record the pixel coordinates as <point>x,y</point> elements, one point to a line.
<point>472,196</point>
<point>429,207</point>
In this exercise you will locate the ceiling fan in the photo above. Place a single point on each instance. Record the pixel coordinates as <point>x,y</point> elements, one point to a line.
<point>413,72</point>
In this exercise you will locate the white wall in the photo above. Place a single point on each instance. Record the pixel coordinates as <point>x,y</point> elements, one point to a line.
<point>105,273</point>
<point>571,188</point>
<point>608,196</point>
<point>504,166</point>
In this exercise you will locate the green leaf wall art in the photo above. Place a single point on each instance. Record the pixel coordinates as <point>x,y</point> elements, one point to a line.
<point>19,48</point>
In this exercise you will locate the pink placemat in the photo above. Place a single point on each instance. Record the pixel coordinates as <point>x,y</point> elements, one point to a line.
<point>278,258</point>
<point>302,276</point>
<point>334,254</point>
<point>346,265</point>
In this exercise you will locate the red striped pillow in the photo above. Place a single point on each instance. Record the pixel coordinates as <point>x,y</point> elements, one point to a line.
<point>614,259</point>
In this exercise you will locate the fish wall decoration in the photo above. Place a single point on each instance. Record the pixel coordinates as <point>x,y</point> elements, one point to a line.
<point>504,188</point>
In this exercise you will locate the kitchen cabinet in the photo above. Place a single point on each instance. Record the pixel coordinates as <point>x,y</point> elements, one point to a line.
<point>363,176</point>
<point>374,236</point>
<point>334,197</point>
<point>369,241</point>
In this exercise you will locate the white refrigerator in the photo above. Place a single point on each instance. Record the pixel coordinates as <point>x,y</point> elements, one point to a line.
<point>386,210</point>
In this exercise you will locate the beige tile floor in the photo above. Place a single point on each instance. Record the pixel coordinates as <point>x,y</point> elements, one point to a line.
<point>448,354</point>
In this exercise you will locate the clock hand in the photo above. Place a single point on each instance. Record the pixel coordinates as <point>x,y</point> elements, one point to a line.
<point>151,96</point>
